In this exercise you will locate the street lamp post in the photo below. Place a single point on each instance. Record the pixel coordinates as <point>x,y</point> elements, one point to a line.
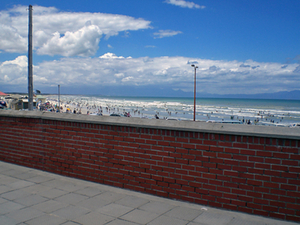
<point>58,98</point>
<point>195,67</point>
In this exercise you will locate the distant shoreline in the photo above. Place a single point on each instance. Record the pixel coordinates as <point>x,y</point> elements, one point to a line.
<point>292,96</point>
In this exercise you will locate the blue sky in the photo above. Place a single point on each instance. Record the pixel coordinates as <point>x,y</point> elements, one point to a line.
<point>96,47</point>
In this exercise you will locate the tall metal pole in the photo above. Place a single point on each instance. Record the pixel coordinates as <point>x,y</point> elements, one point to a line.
<point>30,79</point>
<point>58,98</point>
<point>195,67</point>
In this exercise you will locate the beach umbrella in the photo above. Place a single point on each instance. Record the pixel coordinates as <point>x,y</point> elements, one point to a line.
<point>2,93</point>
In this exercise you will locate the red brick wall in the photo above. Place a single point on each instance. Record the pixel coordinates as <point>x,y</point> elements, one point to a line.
<point>244,173</point>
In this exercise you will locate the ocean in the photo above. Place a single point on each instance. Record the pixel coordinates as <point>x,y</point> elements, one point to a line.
<point>258,111</point>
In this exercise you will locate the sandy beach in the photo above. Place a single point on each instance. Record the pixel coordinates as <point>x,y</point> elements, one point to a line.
<point>257,112</point>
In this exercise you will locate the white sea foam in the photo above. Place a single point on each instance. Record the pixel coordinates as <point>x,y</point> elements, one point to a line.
<point>267,111</point>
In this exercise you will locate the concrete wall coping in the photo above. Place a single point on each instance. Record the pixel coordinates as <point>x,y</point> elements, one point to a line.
<point>217,128</point>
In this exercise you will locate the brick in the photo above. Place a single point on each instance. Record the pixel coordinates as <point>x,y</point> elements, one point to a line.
<point>231,173</point>
<point>245,210</point>
<point>278,192</point>
<point>254,182</point>
<point>215,149</point>
<point>287,199</point>
<point>240,169</point>
<point>273,173</point>
<point>281,155</point>
<point>209,198</point>
<point>270,208</point>
<point>264,153</point>
<point>262,166</point>
<point>261,177</point>
<point>210,187</point>
<point>273,148</point>
<point>271,185</point>
<point>281,168</point>
<point>294,169</point>
<point>286,211</point>
<point>241,145</point>
<point>293,218</point>
<point>211,143</point>
<point>272,161</point>
<point>209,176</point>
<point>292,206</point>
<point>288,187</point>
<point>256,159</point>
<point>253,205</point>
<point>210,165</point>
<point>224,189</point>
<point>240,157</point>
<point>232,150</point>
<point>209,154</point>
<point>224,155</point>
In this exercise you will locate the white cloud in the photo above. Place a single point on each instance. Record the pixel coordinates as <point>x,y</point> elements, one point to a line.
<point>10,40</point>
<point>110,55</point>
<point>14,72</point>
<point>150,46</point>
<point>118,75</point>
<point>185,4</point>
<point>128,79</point>
<point>166,33</point>
<point>83,42</point>
<point>52,28</point>
<point>213,76</point>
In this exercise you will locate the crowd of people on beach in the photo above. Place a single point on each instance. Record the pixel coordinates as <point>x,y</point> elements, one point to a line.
<point>83,107</point>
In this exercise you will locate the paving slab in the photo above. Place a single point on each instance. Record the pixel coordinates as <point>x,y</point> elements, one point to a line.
<point>208,218</point>
<point>2,200</point>
<point>71,212</point>
<point>4,220</point>
<point>94,203</point>
<point>36,188</point>
<point>39,179</point>
<point>63,185</point>
<point>70,223</point>
<point>89,191</point>
<point>9,206</point>
<point>166,220</point>
<point>46,220</point>
<point>20,184</point>
<point>71,198</point>
<point>25,176</point>
<point>115,210</point>
<point>94,218</point>
<point>121,222</point>
<point>157,207</point>
<point>184,213</point>
<point>110,196</point>
<point>12,195</point>
<point>50,206</point>
<point>132,201</point>
<point>30,200</point>
<point>4,189</point>
<point>25,214</point>
<point>6,180</point>
<point>140,217</point>
<point>52,193</point>
<point>13,172</point>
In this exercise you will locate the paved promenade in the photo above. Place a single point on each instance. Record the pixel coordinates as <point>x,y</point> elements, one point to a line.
<point>33,197</point>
